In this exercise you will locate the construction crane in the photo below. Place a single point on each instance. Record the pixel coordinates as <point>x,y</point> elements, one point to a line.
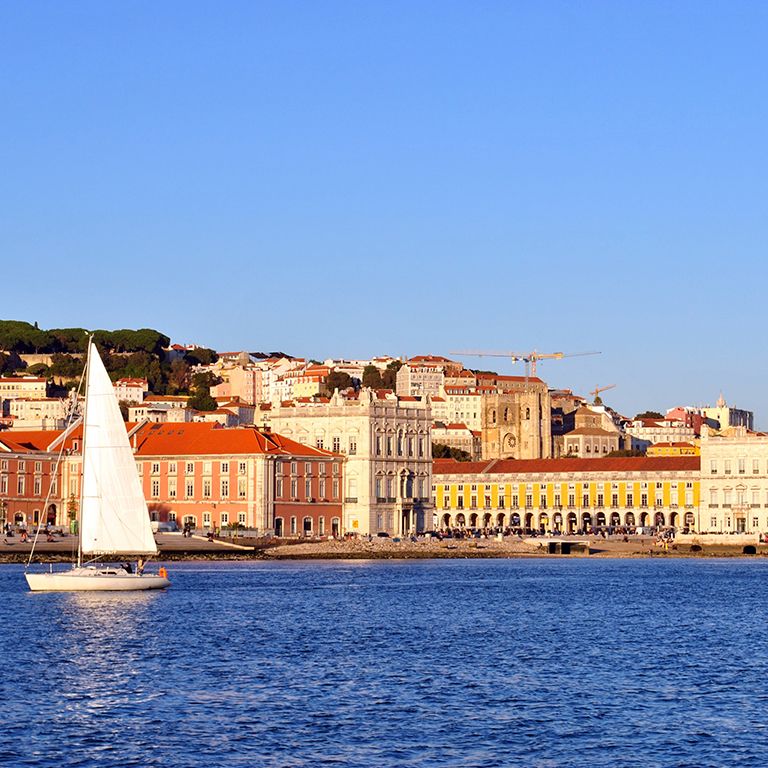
<point>529,358</point>
<point>597,390</point>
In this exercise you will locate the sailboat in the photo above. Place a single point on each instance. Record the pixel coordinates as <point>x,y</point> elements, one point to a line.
<point>114,522</point>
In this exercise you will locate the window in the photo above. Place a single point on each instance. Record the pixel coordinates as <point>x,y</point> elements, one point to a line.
<point>38,466</point>
<point>242,467</point>
<point>352,446</point>
<point>22,466</point>
<point>308,488</point>
<point>389,445</point>
<point>321,488</point>
<point>336,445</point>
<point>571,499</point>
<point>307,468</point>
<point>335,489</point>
<point>529,500</point>
<point>713,466</point>
<point>378,445</point>
<point>335,469</point>
<point>190,468</point>
<point>155,488</point>
<point>190,489</point>
<point>321,467</point>
<point>585,500</point>
<point>38,486</point>
<point>515,501</point>
<point>206,518</point>
<point>294,488</point>
<point>321,526</point>
<point>630,500</point>
<point>224,467</point>
<point>207,488</point>
<point>410,446</point>
<point>171,487</point>
<point>242,487</point>
<point>4,464</point>
<point>713,521</point>
<point>225,518</point>
<point>224,488</point>
<point>727,466</point>
<point>21,486</point>
<point>241,518</point>
<point>614,499</point>
<point>172,468</point>
<point>293,525</point>
<point>155,468</point>
<point>294,467</point>
<point>207,467</point>
<point>600,500</point>
<point>755,467</point>
<point>543,501</point>
<point>742,467</point>
<point>421,446</point>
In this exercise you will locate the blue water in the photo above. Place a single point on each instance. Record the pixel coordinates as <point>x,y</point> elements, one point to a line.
<point>430,663</point>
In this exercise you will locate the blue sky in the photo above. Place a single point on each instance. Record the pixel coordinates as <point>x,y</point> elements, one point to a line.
<point>359,178</point>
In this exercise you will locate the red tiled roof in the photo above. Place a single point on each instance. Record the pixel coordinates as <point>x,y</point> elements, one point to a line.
<point>560,466</point>
<point>201,438</point>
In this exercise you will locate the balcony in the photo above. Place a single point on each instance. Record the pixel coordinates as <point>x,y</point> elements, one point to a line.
<point>350,500</point>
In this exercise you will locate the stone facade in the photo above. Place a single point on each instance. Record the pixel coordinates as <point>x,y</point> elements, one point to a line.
<point>734,482</point>
<point>516,422</point>
<point>387,442</point>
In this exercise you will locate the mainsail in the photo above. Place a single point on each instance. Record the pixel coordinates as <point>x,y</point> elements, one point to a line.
<point>113,516</point>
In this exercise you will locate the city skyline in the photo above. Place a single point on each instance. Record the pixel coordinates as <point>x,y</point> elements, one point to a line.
<point>349,181</point>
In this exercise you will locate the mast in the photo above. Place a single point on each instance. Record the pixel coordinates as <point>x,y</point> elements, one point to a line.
<point>82,457</point>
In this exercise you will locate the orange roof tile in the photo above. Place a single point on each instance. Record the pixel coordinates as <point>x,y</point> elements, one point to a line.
<point>559,466</point>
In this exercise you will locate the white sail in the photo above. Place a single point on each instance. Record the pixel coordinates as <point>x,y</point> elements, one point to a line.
<point>114,517</point>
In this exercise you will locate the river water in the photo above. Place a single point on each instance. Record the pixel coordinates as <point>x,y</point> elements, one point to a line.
<point>423,663</point>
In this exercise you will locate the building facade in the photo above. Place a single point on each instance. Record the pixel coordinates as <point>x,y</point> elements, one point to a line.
<point>387,442</point>
<point>567,495</point>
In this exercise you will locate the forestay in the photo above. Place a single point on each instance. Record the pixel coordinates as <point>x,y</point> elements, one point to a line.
<point>114,518</point>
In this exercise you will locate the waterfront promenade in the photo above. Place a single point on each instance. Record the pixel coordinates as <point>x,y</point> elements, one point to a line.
<point>178,547</point>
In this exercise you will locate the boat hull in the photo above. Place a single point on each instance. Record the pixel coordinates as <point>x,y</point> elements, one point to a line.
<point>95,580</point>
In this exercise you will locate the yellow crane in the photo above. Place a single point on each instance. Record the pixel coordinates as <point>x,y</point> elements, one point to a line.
<point>529,358</point>
<point>597,390</point>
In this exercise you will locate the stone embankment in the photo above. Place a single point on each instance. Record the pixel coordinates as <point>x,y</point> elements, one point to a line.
<point>178,547</point>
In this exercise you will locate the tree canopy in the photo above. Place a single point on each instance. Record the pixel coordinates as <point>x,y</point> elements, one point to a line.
<point>441,451</point>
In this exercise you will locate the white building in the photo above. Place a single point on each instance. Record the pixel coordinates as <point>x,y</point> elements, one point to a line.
<point>41,413</point>
<point>131,390</point>
<point>734,482</point>
<point>387,442</point>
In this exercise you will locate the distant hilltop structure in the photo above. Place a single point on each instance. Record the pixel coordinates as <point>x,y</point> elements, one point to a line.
<point>719,416</point>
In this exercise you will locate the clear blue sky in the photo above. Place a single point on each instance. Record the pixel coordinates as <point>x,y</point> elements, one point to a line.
<point>361,178</point>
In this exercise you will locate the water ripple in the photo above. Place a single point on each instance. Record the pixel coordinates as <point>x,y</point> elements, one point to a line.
<point>461,663</point>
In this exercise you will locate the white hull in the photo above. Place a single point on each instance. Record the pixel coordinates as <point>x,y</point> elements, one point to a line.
<point>94,579</point>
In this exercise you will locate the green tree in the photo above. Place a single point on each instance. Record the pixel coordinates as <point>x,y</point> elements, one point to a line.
<point>337,380</point>
<point>200,398</point>
<point>372,377</point>
<point>649,415</point>
<point>441,451</point>
<point>201,356</point>
<point>389,377</point>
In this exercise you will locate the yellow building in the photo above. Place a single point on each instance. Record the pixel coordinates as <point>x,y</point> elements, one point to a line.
<point>673,449</point>
<point>567,495</point>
